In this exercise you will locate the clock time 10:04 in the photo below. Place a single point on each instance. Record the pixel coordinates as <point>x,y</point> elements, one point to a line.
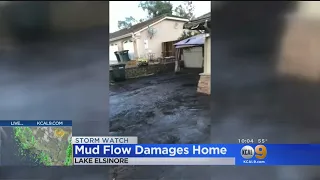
<point>245,141</point>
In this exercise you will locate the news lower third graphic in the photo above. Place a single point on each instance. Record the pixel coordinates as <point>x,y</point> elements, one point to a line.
<point>36,142</point>
<point>127,151</point>
<point>50,143</point>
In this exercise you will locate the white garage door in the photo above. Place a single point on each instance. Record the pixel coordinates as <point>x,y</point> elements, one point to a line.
<point>112,56</point>
<point>193,57</point>
<point>128,45</point>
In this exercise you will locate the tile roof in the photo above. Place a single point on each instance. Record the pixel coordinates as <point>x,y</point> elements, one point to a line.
<point>198,20</point>
<point>139,26</point>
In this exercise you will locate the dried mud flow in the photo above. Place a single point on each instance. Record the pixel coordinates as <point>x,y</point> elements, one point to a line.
<point>159,109</point>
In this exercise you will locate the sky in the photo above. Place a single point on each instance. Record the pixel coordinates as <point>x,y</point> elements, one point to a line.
<point>121,9</point>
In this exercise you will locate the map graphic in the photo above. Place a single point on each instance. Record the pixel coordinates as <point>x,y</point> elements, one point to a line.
<point>42,145</point>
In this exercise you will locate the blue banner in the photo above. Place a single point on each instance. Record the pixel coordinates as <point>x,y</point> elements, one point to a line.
<point>15,123</point>
<point>251,154</point>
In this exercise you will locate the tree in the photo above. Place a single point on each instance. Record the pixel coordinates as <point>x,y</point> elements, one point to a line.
<point>187,34</point>
<point>159,8</point>
<point>185,10</point>
<point>153,8</point>
<point>127,23</point>
<point>156,8</point>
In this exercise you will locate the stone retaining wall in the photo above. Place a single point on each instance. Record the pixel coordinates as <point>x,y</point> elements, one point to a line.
<point>135,72</point>
<point>204,84</point>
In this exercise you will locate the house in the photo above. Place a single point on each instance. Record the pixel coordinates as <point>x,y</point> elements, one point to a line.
<point>202,23</point>
<point>300,55</point>
<point>144,39</point>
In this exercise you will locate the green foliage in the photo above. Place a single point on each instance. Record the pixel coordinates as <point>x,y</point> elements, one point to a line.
<point>127,23</point>
<point>185,10</point>
<point>156,8</point>
<point>153,9</point>
<point>159,8</point>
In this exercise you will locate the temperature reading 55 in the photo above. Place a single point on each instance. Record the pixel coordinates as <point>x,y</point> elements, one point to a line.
<point>261,141</point>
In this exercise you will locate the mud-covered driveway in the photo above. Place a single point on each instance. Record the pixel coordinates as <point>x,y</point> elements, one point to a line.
<point>159,109</point>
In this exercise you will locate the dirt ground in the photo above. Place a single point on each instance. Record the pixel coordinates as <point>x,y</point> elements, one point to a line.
<point>159,109</point>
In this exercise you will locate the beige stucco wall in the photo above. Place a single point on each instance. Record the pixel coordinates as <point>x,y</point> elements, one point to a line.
<point>75,15</point>
<point>119,42</point>
<point>167,30</point>
<point>300,55</point>
<point>207,56</point>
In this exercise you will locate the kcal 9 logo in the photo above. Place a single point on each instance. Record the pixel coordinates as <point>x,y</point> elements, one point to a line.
<point>260,152</point>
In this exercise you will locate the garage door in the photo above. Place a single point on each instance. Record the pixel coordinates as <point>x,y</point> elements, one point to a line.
<point>112,56</point>
<point>193,57</point>
<point>128,45</point>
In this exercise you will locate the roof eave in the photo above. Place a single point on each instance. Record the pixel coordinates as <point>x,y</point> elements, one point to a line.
<point>196,23</point>
<point>167,17</point>
<point>121,37</point>
<point>146,27</point>
<point>203,25</point>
